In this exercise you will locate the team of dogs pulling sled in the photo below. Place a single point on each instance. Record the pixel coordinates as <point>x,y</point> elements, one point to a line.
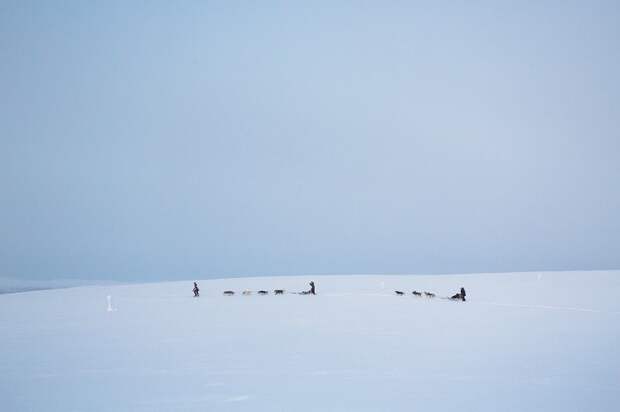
<point>459,296</point>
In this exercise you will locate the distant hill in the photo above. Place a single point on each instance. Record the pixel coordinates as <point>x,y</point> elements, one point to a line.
<point>13,285</point>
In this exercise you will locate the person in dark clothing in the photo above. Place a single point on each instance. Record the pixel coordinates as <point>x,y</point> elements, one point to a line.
<point>312,291</point>
<point>196,290</point>
<point>459,296</point>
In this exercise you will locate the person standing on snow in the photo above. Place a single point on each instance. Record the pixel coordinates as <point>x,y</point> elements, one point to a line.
<point>463,294</point>
<point>312,291</point>
<point>196,290</point>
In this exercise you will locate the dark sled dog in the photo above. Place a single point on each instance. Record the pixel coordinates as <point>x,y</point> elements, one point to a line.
<point>279,291</point>
<point>263,292</point>
<point>399,293</point>
<point>229,292</point>
<point>416,293</point>
<point>429,294</point>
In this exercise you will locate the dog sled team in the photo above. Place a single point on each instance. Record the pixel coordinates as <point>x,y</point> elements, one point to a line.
<point>458,296</point>
<point>246,292</point>
<point>312,291</point>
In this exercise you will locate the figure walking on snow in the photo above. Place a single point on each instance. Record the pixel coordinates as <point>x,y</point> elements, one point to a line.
<point>463,294</point>
<point>196,290</point>
<point>312,291</point>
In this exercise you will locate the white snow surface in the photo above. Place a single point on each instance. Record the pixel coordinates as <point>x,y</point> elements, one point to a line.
<point>522,342</point>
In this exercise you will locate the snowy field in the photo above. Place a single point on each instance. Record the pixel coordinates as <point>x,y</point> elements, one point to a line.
<point>522,342</point>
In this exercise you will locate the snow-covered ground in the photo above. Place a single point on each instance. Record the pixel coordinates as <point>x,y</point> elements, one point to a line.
<point>522,342</point>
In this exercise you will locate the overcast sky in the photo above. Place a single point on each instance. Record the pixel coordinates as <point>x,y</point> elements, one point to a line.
<point>176,140</point>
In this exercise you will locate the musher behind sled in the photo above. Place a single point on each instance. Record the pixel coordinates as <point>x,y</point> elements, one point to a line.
<point>312,291</point>
<point>459,296</point>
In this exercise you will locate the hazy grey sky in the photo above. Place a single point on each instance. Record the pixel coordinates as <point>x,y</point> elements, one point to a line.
<point>167,140</point>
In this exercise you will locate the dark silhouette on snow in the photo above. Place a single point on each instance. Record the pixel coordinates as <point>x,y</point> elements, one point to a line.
<point>196,290</point>
<point>312,291</point>
<point>460,295</point>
